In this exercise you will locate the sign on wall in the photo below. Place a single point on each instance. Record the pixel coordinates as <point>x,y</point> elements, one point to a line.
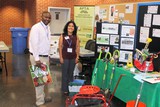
<point>84,19</point>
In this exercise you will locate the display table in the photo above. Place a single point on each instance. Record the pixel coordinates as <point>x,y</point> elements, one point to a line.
<point>4,49</point>
<point>129,87</point>
<point>87,59</point>
<point>86,53</point>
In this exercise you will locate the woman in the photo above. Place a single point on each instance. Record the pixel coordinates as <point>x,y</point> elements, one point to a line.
<point>69,48</point>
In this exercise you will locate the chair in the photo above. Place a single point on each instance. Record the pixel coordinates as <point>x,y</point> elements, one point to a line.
<point>90,45</point>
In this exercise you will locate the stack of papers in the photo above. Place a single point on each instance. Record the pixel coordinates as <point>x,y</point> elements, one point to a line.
<point>148,77</point>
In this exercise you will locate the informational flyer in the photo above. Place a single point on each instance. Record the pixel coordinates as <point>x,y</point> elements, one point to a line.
<point>54,50</point>
<point>147,20</point>
<point>84,19</point>
<point>127,43</point>
<point>152,9</point>
<point>109,28</point>
<point>129,8</point>
<point>156,33</point>
<point>128,31</point>
<point>144,34</point>
<point>114,39</point>
<point>124,55</point>
<point>102,39</point>
<point>105,48</point>
<point>103,13</point>
<point>156,20</point>
<point>111,13</point>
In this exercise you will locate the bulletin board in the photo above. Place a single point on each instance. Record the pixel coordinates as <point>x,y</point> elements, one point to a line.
<point>126,10</point>
<point>148,24</point>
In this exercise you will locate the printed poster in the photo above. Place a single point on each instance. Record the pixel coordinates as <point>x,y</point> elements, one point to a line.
<point>102,39</point>
<point>124,55</point>
<point>156,33</point>
<point>103,13</point>
<point>54,50</point>
<point>144,34</point>
<point>105,48</point>
<point>156,19</point>
<point>128,31</point>
<point>147,20</point>
<point>152,9</point>
<point>111,13</point>
<point>114,40</point>
<point>109,28</point>
<point>84,19</point>
<point>129,8</point>
<point>127,43</point>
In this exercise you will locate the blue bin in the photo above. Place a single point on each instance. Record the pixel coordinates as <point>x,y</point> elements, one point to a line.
<point>19,39</point>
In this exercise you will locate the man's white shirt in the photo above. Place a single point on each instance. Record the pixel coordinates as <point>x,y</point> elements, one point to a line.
<point>39,40</point>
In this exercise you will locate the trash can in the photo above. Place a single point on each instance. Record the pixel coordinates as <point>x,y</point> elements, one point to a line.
<point>19,39</point>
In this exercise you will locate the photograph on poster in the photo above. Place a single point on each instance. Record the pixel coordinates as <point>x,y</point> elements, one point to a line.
<point>124,55</point>
<point>144,34</point>
<point>127,43</point>
<point>156,33</point>
<point>102,39</point>
<point>114,39</point>
<point>104,48</point>
<point>127,31</point>
<point>110,28</point>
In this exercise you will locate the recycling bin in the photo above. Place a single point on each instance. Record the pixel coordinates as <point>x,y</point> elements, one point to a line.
<point>19,39</point>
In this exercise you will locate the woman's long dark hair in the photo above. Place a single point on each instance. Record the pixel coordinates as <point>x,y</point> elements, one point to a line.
<point>65,30</point>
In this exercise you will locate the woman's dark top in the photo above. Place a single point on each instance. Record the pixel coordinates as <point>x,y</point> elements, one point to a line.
<point>69,43</point>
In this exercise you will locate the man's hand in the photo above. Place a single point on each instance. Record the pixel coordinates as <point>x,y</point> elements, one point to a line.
<point>38,63</point>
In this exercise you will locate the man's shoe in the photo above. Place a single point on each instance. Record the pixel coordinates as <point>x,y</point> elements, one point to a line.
<point>42,105</point>
<point>48,99</point>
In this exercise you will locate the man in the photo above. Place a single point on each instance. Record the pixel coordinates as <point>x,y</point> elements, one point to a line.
<point>39,46</point>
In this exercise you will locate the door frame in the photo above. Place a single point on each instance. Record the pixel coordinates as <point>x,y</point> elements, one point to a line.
<point>61,8</point>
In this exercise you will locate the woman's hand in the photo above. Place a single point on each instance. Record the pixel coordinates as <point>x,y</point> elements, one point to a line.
<point>38,63</point>
<point>77,60</point>
<point>61,60</point>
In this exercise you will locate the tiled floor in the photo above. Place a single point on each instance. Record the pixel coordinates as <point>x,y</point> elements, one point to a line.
<point>17,89</point>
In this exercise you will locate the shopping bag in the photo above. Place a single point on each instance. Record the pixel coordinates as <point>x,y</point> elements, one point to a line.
<point>40,75</point>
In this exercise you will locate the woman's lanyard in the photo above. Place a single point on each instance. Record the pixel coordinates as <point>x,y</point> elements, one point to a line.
<point>45,28</point>
<point>69,41</point>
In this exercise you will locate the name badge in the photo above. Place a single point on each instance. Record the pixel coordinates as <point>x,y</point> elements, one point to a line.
<point>67,37</point>
<point>69,50</point>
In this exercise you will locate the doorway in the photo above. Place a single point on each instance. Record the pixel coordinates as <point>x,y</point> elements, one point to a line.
<point>60,16</point>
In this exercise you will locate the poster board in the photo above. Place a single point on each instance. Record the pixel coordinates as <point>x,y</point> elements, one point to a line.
<point>119,12</point>
<point>84,19</point>
<point>148,25</point>
<point>107,37</point>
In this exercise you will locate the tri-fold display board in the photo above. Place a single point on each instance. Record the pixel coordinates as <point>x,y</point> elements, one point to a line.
<point>111,36</point>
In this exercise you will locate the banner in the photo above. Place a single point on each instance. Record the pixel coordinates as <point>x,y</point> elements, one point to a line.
<point>84,19</point>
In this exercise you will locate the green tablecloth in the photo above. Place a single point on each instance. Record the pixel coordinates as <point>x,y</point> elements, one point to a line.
<point>129,87</point>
